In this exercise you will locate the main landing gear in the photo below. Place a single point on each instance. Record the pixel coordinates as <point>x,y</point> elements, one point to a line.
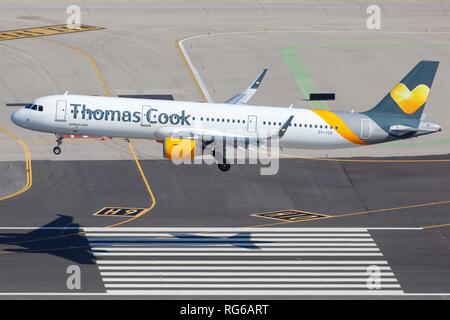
<point>224,167</point>
<point>59,141</point>
<point>222,161</point>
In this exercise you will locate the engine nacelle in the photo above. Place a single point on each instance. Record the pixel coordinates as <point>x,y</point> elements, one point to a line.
<point>179,149</point>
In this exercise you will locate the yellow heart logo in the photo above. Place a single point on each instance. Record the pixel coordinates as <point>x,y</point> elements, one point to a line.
<point>410,101</point>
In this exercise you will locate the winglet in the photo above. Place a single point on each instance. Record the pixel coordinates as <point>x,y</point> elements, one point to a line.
<point>257,82</point>
<point>244,96</point>
<point>284,127</point>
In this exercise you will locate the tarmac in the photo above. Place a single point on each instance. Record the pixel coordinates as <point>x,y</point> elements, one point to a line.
<point>396,196</point>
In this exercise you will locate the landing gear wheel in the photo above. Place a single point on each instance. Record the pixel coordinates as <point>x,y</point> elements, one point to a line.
<point>59,141</point>
<point>56,150</point>
<point>224,166</point>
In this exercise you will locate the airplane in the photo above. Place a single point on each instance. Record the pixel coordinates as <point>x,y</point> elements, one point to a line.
<point>187,128</point>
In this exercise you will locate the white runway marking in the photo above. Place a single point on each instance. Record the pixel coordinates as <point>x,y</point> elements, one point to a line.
<point>279,268</point>
<point>240,261</point>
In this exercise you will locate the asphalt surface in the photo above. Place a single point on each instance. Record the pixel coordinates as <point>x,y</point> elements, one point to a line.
<point>352,194</point>
<point>307,46</point>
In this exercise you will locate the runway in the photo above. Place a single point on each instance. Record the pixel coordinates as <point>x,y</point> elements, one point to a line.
<point>260,262</point>
<point>141,227</point>
<point>408,237</point>
<point>220,262</point>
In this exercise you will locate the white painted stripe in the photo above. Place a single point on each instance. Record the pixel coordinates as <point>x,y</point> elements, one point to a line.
<point>195,72</point>
<point>241,268</point>
<point>214,236</point>
<point>244,280</point>
<point>255,285</point>
<point>241,274</point>
<point>209,230</point>
<point>259,292</point>
<point>238,254</point>
<point>242,262</point>
<point>259,245</point>
<point>252,241</point>
<point>221,249</point>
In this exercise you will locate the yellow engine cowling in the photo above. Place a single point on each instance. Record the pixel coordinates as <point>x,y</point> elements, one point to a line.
<point>178,148</point>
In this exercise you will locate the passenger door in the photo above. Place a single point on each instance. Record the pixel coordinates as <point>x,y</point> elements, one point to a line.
<point>252,123</point>
<point>61,106</point>
<point>146,116</point>
<point>366,129</point>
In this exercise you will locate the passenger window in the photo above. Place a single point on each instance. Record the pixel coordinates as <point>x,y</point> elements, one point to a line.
<point>239,121</point>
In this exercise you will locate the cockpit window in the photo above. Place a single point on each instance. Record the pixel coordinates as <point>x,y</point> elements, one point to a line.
<point>34,107</point>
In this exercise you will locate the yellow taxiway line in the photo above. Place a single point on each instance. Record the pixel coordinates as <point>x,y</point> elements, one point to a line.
<point>107,92</point>
<point>28,167</point>
<point>147,185</point>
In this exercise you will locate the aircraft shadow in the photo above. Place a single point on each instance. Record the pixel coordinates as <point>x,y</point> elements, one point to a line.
<point>61,238</point>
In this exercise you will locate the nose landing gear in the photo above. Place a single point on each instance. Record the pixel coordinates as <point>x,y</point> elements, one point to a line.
<point>59,141</point>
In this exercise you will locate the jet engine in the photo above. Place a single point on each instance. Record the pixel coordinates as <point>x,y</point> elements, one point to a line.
<point>179,148</point>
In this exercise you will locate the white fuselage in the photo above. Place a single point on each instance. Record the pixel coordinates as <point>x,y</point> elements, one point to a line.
<point>150,119</point>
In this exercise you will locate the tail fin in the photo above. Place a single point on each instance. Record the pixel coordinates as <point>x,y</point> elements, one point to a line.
<point>408,98</point>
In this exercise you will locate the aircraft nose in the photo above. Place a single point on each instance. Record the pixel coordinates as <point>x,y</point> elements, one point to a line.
<point>17,117</point>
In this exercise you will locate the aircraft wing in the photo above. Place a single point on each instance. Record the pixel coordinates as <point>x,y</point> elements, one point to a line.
<point>244,96</point>
<point>214,135</point>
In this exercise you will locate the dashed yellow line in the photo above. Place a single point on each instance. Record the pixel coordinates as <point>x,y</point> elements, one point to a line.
<point>28,167</point>
<point>43,31</point>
